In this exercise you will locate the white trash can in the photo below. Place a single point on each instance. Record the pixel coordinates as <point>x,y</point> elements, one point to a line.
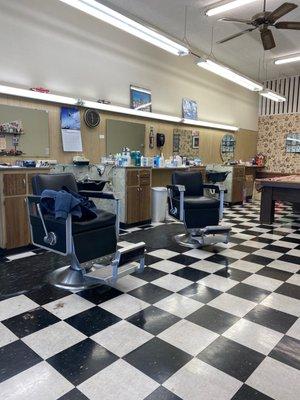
<point>159,204</point>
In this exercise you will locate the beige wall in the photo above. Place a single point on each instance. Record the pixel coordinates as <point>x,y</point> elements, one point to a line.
<point>272,131</point>
<point>94,146</point>
<point>69,52</point>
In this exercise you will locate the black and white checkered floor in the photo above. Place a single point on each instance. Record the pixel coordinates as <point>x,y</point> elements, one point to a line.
<point>216,324</point>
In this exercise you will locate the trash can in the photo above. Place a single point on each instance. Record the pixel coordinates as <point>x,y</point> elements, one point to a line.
<point>159,204</point>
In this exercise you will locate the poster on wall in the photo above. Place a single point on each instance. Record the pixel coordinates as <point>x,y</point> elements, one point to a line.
<point>189,109</point>
<point>70,129</point>
<point>140,98</point>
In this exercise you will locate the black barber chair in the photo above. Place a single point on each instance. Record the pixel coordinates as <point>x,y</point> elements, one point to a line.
<point>83,240</point>
<point>200,214</point>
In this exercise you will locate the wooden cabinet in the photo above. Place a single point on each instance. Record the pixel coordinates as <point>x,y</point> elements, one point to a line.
<point>15,185</point>
<point>133,187</point>
<point>17,230</point>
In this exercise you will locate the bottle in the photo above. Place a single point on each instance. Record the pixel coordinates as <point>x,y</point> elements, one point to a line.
<point>161,161</point>
<point>151,138</point>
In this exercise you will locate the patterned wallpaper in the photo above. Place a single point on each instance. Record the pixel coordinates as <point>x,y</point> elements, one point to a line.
<point>185,142</point>
<point>272,131</point>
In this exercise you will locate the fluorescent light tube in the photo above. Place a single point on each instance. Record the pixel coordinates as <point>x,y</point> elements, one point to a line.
<point>12,91</point>
<point>128,25</point>
<point>210,124</point>
<point>269,94</point>
<point>218,9</point>
<point>287,60</point>
<point>229,74</point>
<point>30,94</point>
<point>130,111</point>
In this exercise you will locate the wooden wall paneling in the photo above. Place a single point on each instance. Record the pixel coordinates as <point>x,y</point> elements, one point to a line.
<point>94,146</point>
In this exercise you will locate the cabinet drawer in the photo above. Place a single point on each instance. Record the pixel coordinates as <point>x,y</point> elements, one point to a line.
<point>14,184</point>
<point>144,173</point>
<point>145,181</point>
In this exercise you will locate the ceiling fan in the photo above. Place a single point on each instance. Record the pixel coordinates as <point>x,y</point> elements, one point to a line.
<point>263,21</point>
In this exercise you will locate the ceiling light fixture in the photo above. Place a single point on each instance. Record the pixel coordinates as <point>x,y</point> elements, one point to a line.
<point>229,74</point>
<point>269,94</point>
<point>289,59</point>
<point>128,25</point>
<point>218,9</point>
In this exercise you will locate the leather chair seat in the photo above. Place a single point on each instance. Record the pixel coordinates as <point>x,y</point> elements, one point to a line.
<point>199,202</point>
<point>103,220</point>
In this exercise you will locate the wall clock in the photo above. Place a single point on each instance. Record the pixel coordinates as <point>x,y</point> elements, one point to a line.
<point>91,118</point>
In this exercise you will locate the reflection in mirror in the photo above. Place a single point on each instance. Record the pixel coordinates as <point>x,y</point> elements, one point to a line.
<point>121,134</point>
<point>24,131</point>
<point>227,148</point>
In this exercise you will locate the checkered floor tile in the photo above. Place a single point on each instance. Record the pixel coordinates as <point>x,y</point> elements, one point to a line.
<point>219,323</point>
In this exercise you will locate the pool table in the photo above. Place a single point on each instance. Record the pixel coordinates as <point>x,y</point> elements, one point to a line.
<point>283,188</point>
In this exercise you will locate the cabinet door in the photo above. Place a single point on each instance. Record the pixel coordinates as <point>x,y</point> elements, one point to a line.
<point>29,182</point>
<point>132,205</point>
<point>132,177</point>
<point>145,203</point>
<point>16,222</point>
<point>14,184</point>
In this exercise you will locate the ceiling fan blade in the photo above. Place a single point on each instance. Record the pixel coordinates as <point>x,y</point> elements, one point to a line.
<point>235,35</point>
<point>288,25</point>
<point>239,20</point>
<point>267,39</point>
<point>282,10</point>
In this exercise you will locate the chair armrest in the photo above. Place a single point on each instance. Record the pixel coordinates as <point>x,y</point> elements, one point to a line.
<point>98,195</point>
<point>214,187</point>
<point>179,188</point>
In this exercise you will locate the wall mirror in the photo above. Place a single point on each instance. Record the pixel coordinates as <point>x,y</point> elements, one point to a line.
<point>292,143</point>
<point>121,134</point>
<point>29,127</point>
<point>227,147</point>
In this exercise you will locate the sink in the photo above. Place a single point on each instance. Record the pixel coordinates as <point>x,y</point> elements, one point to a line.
<point>92,185</point>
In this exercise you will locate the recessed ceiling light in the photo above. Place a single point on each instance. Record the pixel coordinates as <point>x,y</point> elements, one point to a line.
<point>288,59</point>
<point>220,8</point>
<point>118,20</point>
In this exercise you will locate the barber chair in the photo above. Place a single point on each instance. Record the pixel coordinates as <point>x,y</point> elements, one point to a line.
<point>199,213</point>
<point>82,241</point>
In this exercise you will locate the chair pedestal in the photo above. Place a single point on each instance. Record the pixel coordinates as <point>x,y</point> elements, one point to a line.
<point>186,239</point>
<point>72,277</point>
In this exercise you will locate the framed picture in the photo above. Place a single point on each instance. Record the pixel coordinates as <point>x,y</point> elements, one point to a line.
<point>189,109</point>
<point>140,98</point>
<point>292,143</point>
<point>195,141</point>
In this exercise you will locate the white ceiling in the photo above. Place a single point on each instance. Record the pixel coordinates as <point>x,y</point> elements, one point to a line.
<point>244,53</point>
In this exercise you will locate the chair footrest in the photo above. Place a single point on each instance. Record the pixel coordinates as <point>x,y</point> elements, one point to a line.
<point>105,273</point>
<point>215,229</point>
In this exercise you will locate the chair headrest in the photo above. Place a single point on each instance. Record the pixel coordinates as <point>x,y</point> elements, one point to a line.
<point>41,182</point>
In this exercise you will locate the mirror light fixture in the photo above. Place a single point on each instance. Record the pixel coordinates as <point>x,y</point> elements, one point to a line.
<point>49,97</point>
<point>227,73</point>
<point>269,94</point>
<point>288,59</point>
<point>210,125</point>
<point>118,20</point>
<point>229,5</point>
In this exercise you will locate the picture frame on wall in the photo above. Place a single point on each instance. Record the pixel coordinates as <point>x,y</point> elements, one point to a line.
<point>195,141</point>
<point>140,98</point>
<point>189,109</point>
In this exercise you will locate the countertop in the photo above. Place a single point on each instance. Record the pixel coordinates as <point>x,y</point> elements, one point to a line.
<point>16,169</point>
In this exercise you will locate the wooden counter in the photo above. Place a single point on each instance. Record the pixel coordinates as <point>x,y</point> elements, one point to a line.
<point>15,185</point>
